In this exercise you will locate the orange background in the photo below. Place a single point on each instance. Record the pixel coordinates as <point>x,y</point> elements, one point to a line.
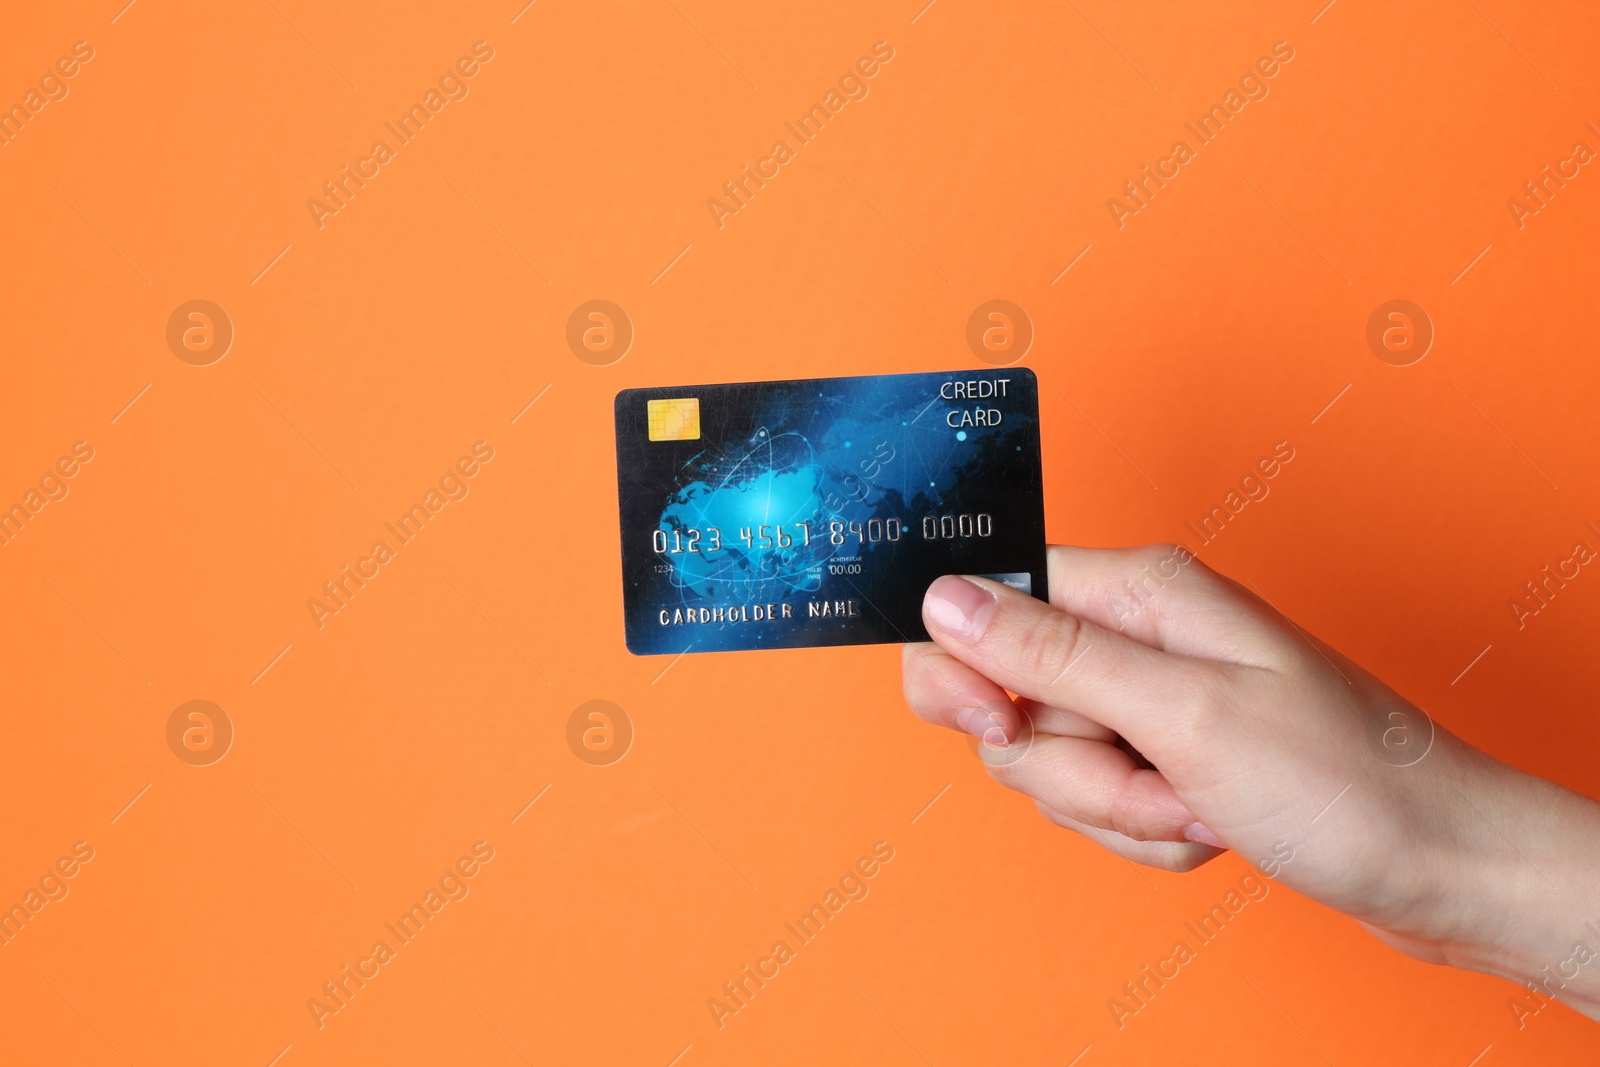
<point>425,716</point>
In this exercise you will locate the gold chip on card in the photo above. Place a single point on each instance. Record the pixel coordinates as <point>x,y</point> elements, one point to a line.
<point>674,420</point>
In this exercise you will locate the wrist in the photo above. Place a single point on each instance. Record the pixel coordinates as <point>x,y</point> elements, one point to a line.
<point>1519,853</point>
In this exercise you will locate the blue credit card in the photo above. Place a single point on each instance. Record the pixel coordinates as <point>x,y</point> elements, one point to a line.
<point>817,512</point>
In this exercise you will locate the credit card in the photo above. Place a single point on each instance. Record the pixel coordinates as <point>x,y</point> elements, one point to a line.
<point>817,512</point>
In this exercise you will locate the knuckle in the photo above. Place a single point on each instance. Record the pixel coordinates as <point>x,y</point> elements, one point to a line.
<point>1130,819</point>
<point>1169,562</point>
<point>1044,652</point>
<point>1157,551</point>
<point>1203,704</point>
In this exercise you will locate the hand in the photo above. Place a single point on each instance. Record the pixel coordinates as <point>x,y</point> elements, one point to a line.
<point>1167,713</point>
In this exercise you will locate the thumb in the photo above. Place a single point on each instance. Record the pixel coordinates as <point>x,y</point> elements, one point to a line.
<point>1151,697</point>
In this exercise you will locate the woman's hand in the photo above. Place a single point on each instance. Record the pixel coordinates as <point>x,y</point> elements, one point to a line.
<point>1168,713</point>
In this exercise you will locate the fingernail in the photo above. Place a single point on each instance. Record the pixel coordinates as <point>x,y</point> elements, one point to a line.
<point>959,607</point>
<point>1201,833</point>
<point>988,726</point>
